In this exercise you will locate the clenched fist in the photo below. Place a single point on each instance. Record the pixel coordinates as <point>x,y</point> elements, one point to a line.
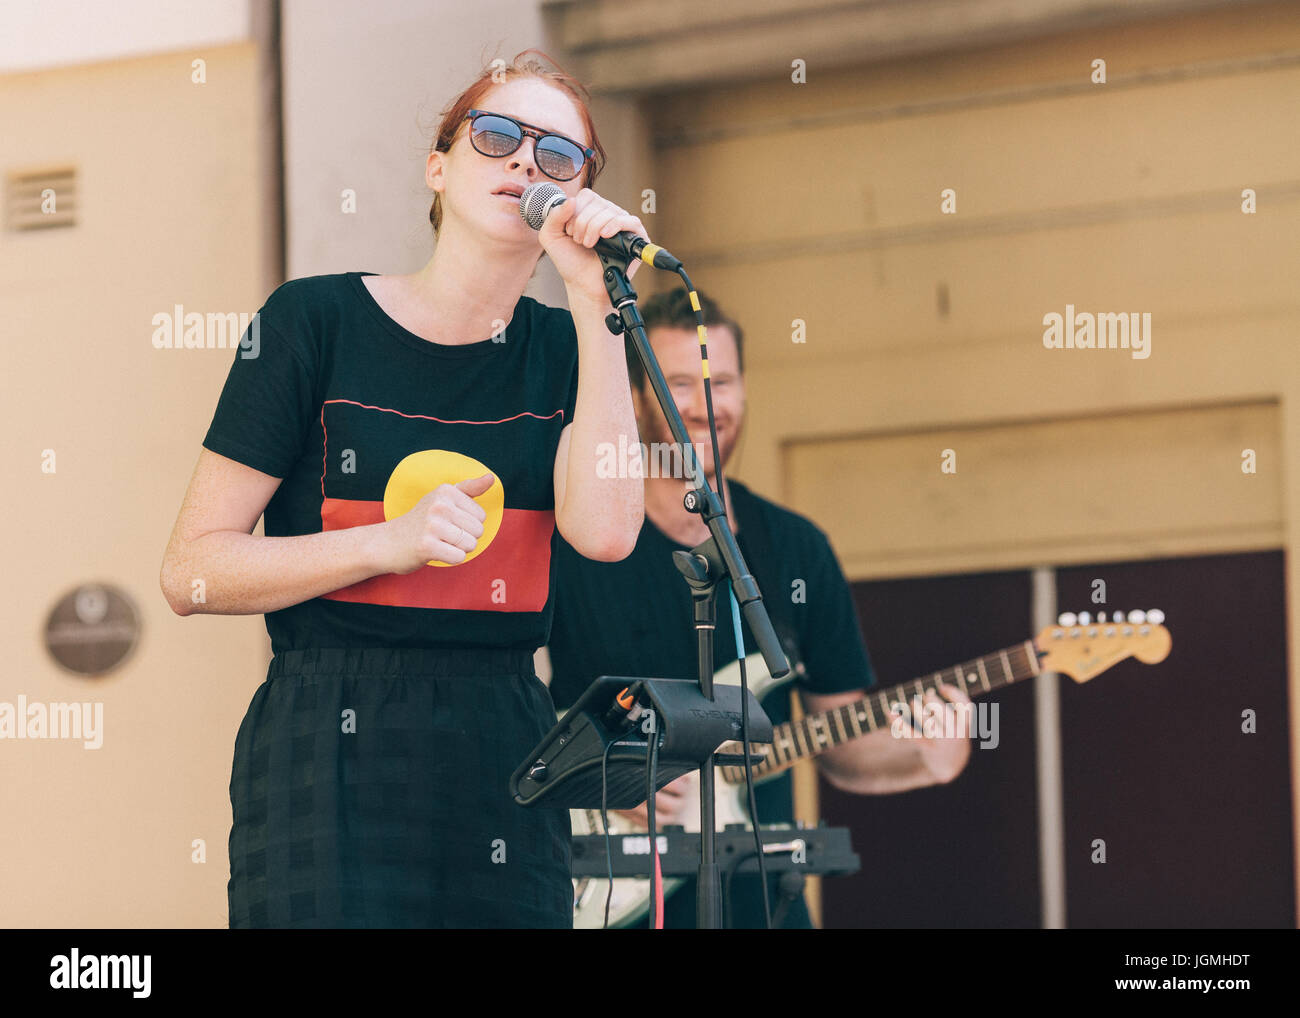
<point>444,526</point>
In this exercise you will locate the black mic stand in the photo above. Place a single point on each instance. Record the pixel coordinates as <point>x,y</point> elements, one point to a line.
<point>703,567</point>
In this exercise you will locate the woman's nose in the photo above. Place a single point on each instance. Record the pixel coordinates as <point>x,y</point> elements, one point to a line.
<point>525,155</point>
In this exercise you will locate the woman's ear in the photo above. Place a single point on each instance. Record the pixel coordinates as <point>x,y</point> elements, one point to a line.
<point>435,171</point>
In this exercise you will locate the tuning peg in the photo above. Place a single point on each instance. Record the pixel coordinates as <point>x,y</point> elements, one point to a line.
<point>1065,619</point>
<point>1137,617</point>
<point>1155,616</point>
<point>1084,618</point>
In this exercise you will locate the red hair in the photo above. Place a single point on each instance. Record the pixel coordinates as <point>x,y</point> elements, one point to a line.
<point>535,66</point>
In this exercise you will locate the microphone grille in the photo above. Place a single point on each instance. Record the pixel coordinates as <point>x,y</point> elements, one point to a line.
<point>536,201</point>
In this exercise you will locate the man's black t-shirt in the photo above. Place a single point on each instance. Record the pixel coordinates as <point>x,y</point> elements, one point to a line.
<point>634,617</point>
<point>361,418</point>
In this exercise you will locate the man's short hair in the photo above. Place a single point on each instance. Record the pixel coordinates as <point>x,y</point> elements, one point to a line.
<point>672,310</point>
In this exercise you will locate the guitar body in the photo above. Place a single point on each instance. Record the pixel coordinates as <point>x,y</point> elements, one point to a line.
<point>631,897</point>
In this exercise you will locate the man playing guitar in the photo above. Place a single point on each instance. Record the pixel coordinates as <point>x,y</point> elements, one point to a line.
<point>633,617</point>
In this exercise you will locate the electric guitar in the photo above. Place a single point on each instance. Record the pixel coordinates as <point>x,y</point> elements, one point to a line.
<point>1077,646</point>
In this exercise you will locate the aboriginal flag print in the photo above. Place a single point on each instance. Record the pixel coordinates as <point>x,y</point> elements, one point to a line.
<point>380,461</point>
<point>360,419</point>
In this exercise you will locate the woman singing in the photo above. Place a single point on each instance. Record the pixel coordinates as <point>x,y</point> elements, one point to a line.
<point>415,442</point>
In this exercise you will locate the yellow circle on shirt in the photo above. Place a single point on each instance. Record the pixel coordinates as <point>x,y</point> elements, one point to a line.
<point>422,472</point>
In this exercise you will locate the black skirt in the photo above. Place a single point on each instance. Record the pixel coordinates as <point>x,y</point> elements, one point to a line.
<point>369,789</point>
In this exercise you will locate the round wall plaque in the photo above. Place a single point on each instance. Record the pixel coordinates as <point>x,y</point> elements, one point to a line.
<point>92,629</point>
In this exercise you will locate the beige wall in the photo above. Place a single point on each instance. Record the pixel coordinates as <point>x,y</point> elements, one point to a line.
<point>170,213</point>
<point>63,33</point>
<point>1115,197</point>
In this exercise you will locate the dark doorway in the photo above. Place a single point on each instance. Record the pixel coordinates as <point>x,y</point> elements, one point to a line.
<point>963,854</point>
<point>1195,813</point>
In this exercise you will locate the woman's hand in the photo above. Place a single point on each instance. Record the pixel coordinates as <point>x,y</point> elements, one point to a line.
<point>444,526</point>
<point>571,231</point>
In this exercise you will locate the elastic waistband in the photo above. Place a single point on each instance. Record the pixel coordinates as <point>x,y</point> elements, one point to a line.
<point>402,661</point>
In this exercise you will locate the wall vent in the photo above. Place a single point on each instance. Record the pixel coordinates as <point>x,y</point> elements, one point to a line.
<point>41,199</point>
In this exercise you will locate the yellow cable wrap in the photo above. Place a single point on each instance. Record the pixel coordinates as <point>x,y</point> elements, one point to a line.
<point>704,336</point>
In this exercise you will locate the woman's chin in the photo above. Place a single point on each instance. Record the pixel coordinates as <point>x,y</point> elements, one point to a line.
<point>508,230</point>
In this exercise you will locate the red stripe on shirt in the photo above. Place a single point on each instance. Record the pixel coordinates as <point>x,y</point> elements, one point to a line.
<point>512,575</point>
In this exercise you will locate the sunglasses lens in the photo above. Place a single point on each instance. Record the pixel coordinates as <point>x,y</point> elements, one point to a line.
<point>495,136</point>
<point>559,158</point>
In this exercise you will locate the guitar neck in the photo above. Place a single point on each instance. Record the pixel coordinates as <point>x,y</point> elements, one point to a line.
<point>815,733</point>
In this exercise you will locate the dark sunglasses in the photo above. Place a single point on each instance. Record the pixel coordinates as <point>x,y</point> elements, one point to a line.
<point>495,135</point>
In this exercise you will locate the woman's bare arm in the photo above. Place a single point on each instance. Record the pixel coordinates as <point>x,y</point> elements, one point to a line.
<point>215,566</point>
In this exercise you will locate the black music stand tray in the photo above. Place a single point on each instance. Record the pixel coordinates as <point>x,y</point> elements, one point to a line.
<point>565,768</point>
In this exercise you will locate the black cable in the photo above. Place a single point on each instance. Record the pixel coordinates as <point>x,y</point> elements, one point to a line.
<point>604,822</point>
<point>708,397</point>
<point>739,638</point>
<point>786,893</point>
<point>652,768</point>
<point>726,884</point>
<point>792,885</point>
<point>749,783</point>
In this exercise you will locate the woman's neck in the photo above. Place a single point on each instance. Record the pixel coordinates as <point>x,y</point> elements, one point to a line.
<point>470,286</point>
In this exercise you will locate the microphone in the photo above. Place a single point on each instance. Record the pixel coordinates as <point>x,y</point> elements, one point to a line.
<point>537,201</point>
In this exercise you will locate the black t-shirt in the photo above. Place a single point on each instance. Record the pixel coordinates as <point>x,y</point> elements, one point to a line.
<point>361,417</point>
<point>634,617</point>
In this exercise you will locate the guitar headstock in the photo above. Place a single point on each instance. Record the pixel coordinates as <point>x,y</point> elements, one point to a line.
<point>1081,646</point>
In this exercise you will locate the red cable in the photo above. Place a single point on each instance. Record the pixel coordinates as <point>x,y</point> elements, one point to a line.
<point>659,890</point>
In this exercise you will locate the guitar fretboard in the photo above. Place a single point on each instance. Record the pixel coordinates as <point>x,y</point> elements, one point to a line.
<point>816,733</point>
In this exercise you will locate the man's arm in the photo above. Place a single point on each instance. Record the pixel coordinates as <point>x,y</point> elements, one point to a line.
<point>881,763</point>
<point>836,654</point>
